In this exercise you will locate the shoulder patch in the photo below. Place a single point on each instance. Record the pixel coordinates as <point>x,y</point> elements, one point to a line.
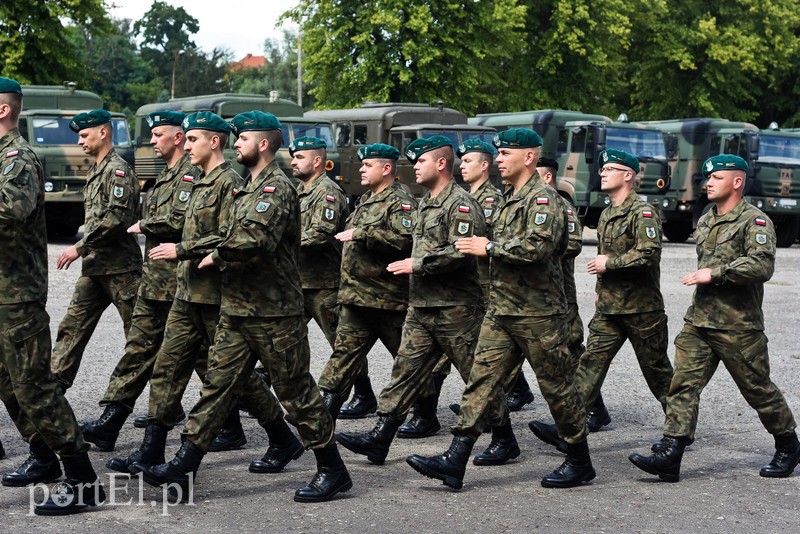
<point>269,189</point>
<point>569,211</point>
<point>647,213</point>
<point>542,200</point>
<point>761,221</point>
<point>12,153</point>
<point>650,232</point>
<point>405,207</point>
<point>761,239</point>
<point>119,172</point>
<point>262,206</point>
<point>8,168</point>
<point>234,191</point>
<point>330,198</point>
<point>463,209</point>
<point>539,219</point>
<point>489,200</point>
<point>119,191</point>
<point>188,178</point>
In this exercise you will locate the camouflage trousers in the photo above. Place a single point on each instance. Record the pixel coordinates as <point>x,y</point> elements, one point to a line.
<point>698,352</point>
<point>189,330</point>
<point>427,333</point>
<point>322,305</point>
<point>32,395</point>
<point>281,344</point>
<point>504,341</point>
<point>647,333</point>
<point>90,298</point>
<point>135,368</point>
<point>358,331</point>
<point>574,334</point>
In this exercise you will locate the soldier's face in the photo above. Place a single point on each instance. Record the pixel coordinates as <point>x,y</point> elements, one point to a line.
<point>613,177</point>
<point>472,167</point>
<point>164,139</point>
<point>198,146</point>
<point>303,165</point>
<point>247,149</point>
<point>372,172</point>
<point>511,162</point>
<point>721,185</point>
<point>91,139</point>
<point>425,169</point>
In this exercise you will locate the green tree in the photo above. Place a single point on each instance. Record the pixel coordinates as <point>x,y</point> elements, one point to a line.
<point>408,50</point>
<point>35,48</point>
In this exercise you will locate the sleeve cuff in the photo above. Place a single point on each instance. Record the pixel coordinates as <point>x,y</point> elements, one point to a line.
<point>718,276</point>
<point>416,266</point>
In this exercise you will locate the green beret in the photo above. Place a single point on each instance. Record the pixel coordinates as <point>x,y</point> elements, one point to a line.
<point>205,120</point>
<point>7,85</point>
<point>90,119</point>
<point>548,162</point>
<point>306,143</point>
<point>612,155</point>
<point>724,162</point>
<point>378,151</point>
<point>254,121</point>
<point>474,145</point>
<point>164,118</point>
<point>517,138</point>
<point>419,146</point>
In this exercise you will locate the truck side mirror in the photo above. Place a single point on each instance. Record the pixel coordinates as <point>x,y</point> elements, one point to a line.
<point>138,141</point>
<point>671,141</point>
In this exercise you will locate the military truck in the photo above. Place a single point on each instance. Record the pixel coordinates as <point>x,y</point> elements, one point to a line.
<point>44,123</point>
<point>576,139</point>
<point>227,105</point>
<point>772,185</point>
<point>395,124</point>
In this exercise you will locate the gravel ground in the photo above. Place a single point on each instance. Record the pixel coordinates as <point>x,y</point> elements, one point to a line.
<point>720,490</point>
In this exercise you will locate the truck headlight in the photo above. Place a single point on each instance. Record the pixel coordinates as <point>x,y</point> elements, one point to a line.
<point>48,187</point>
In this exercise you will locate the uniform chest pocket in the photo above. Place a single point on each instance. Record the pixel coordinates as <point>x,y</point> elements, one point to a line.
<point>617,230</point>
<point>368,219</point>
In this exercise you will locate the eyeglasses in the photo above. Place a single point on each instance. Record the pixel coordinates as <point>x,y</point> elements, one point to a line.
<point>611,169</point>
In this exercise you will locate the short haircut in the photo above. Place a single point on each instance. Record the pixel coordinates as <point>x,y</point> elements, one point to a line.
<point>14,101</point>
<point>447,153</point>
<point>275,140</point>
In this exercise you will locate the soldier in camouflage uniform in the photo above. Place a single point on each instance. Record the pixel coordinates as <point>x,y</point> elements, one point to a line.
<point>262,319</point>
<point>112,260</point>
<point>193,317</point>
<point>166,206</point>
<point>725,323</point>
<point>445,299</point>
<point>30,392</point>
<point>373,301</point>
<point>629,305</point>
<point>525,319</point>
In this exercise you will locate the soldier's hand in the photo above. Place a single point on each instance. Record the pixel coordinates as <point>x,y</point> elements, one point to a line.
<point>67,257</point>
<point>701,277</point>
<point>401,267</point>
<point>597,265</point>
<point>345,236</point>
<point>134,229</point>
<point>164,251</point>
<point>206,262</point>
<point>474,246</point>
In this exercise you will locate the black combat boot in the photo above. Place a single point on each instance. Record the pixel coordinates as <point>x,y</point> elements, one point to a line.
<point>151,452</point>
<point>549,434</point>
<point>231,436</point>
<point>424,422</point>
<point>187,460</point>
<point>283,448</point>
<point>333,402</point>
<point>81,488</point>
<point>41,466</point>
<point>665,460</point>
<point>598,416</point>
<point>331,477</point>
<point>104,431</point>
<point>375,443</point>
<point>520,394</point>
<point>363,401</point>
<point>449,467</point>
<point>502,448</point>
<point>141,421</point>
<point>576,469</point>
<point>787,455</point>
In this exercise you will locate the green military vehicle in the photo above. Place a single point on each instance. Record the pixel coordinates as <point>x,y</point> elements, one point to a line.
<point>44,123</point>
<point>576,139</point>
<point>395,124</point>
<point>772,154</point>
<point>227,105</point>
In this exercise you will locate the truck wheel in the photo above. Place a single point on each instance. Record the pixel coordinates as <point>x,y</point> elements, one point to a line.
<point>786,231</point>
<point>678,232</point>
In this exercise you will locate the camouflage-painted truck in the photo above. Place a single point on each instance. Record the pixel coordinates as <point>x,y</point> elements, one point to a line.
<point>228,105</point>
<point>44,122</point>
<point>773,183</point>
<point>576,139</point>
<point>395,124</point>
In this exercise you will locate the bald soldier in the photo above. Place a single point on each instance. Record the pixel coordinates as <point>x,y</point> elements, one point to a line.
<point>725,323</point>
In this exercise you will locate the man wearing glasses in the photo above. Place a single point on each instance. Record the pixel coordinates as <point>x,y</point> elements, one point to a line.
<point>628,305</point>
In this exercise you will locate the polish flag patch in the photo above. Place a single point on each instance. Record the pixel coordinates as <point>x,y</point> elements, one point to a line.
<point>760,221</point>
<point>648,214</point>
<point>489,200</point>
<point>188,178</point>
<point>569,212</point>
<point>405,207</point>
<point>12,153</point>
<point>330,198</point>
<point>542,200</point>
<point>269,189</point>
<point>119,173</point>
<point>463,209</point>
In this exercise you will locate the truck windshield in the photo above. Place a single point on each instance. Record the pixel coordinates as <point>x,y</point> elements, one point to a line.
<point>779,149</point>
<point>321,131</point>
<point>55,131</point>
<point>458,137</point>
<point>641,143</point>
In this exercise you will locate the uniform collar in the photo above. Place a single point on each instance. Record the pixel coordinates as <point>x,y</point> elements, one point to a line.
<point>731,215</point>
<point>7,139</point>
<point>439,199</point>
<point>313,184</point>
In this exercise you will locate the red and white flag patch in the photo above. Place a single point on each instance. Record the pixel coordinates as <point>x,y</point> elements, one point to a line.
<point>12,153</point>
<point>647,213</point>
<point>463,209</point>
<point>330,198</point>
<point>119,172</point>
<point>542,200</point>
<point>269,189</point>
<point>760,221</point>
<point>405,207</point>
<point>188,178</point>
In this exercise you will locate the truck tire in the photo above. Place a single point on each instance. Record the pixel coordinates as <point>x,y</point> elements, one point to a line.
<point>678,232</point>
<point>786,231</point>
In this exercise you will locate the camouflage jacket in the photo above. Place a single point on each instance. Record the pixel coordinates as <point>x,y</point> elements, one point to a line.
<point>323,210</point>
<point>530,237</point>
<point>163,223</point>
<point>630,235</point>
<point>383,230</point>
<point>260,255</point>
<point>206,221</point>
<point>739,248</point>
<point>490,199</point>
<point>111,203</point>
<point>23,235</point>
<point>443,276</point>
<point>574,248</point>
